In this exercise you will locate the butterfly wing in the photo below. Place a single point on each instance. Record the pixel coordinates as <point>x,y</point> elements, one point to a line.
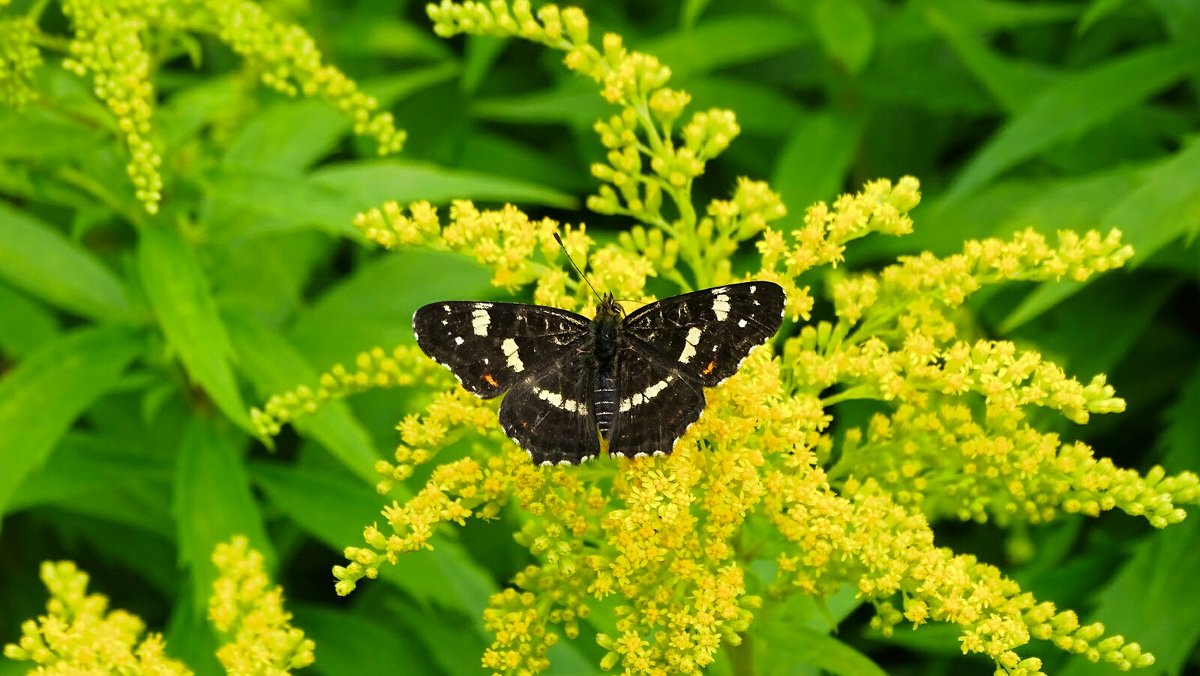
<point>705,335</point>
<point>656,403</point>
<point>491,346</point>
<point>549,413</point>
<point>671,350</point>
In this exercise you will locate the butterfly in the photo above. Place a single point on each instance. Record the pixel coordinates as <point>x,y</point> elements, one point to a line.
<point>636,380</point>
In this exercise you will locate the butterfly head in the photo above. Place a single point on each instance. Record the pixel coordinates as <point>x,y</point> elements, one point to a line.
<point>609,307</point>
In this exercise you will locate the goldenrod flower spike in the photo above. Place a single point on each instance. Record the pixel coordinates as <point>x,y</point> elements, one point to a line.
<point>247,612</point>
<point>108,44</point>
<point>78,634</point>
<point>19,58</point>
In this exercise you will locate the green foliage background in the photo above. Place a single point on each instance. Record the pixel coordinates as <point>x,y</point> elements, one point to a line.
<point>130,355</point>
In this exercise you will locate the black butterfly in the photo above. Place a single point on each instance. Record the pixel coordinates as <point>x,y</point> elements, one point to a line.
<point>640,379</point>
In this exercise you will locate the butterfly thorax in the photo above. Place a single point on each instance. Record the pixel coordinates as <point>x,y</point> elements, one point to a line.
<point>606,328</point>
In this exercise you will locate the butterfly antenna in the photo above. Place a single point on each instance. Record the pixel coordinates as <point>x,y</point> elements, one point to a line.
<point>581,275</point>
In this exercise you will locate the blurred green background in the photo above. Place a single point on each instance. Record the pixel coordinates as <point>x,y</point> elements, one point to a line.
<point>130,355</point>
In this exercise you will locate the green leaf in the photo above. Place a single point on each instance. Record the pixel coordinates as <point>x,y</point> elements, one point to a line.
<point>46,392</point>
<point>350,642</point>
<point>41,134</point>
<point>495,154</point>
<point>575,103</point>
<point>104,479</point>
<point>845,31</point>
<point>761,109</point>
<point>213,503</point>
<point>179,295</point>
<point>1097,10</point>
<point>1077,104</point>
<point>1165,207</point>
<point>25,324</point>
<point>253,204</point>
<point>39,259</point>
<point>334,510</point>
<point>275,366</point>
<point>789,649</point>
<point>1014,85</point>
<point>814,161</point>
<point>376,305</point>
<point>725,41</point>
<point>287,137</point>
<point>368,184</point>
<point>1070,331</point>
<point>1142,601</point>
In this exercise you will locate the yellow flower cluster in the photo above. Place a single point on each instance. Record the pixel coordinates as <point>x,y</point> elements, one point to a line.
<point>511,243</point>
<point>402,367</point>
<point>288,61</point>
<point>108,44</point>
<point>78,634</point>
<point>880,207</point>
<point>19,58</point>
<point>940,460</point>
<point>647,158</point>
<point>248,612</point>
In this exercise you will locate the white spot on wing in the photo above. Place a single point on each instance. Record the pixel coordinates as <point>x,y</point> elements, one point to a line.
<point>741,323</point>
<point>458,340</point>
<point>721,307</point>
<point>480,320</point>
<point>646,395</point>
<point>689,350</point>
<point>510,353</point>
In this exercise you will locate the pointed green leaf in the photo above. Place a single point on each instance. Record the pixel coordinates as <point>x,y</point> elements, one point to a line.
<point>47,391</point>
<point>179,295</point>
<point>1077,104</point>
<point>213,503</point>
<point>39,259</point>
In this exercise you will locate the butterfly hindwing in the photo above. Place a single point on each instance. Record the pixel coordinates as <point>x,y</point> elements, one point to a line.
<point>706,334</point>
<point>655,404</point>
<point>491,346</point>
<point>550,412</point>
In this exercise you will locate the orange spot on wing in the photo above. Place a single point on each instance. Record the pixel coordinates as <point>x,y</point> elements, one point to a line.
<point>489,379</point>
<point>711,365</point>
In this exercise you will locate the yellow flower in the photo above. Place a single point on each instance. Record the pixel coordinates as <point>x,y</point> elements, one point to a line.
<point>78,634</point>
<point>248,613</point>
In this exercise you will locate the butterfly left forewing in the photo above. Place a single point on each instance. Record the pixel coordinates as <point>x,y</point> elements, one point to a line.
<point>491,346</point>
<point>706,334</point>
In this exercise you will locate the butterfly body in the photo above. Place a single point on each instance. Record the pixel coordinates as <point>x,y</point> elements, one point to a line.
<point>636,381</point>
